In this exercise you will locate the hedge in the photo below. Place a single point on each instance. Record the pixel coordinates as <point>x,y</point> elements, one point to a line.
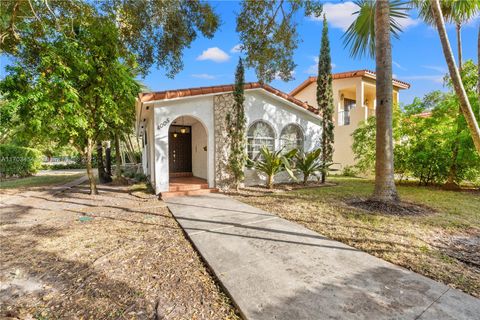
<point>18,161</point>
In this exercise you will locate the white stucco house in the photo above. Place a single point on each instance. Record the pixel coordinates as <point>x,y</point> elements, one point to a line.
<point>184,131</point>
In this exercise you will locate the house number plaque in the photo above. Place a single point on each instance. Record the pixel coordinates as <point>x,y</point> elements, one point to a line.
<point>163,124</point>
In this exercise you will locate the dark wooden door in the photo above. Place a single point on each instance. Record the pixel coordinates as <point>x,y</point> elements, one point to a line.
<point>180,152</point>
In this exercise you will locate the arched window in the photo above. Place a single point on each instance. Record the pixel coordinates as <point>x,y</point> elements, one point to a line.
<point>259,134</point>
<point>291,137</point>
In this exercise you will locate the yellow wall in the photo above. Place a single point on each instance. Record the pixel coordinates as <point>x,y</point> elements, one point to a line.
<point>359,89</point>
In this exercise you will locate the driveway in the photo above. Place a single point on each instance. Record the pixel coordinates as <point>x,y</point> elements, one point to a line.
<point>275,269</point>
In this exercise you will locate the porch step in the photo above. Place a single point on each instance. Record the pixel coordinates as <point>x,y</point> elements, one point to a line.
<point>180,174</point>
<point>187,187</point>
<point>196,192</point>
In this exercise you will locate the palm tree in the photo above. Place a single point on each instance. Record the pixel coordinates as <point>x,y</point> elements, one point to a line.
<point>455,74</point>
<point>370,34</point>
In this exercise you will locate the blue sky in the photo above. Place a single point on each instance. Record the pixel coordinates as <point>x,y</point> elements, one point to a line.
<point>417,55</point>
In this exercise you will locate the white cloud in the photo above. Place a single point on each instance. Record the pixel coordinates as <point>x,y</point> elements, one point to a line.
<point>236,48</point>
<point>433,78</point>
<point>398,65</point>
<point>313,68</point>
<point>205,76</point>
<point>214,54</point>
<point>341,15</point>
<point>436,68</point>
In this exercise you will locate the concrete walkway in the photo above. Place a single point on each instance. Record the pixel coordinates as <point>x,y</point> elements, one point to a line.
<point>276,269</point>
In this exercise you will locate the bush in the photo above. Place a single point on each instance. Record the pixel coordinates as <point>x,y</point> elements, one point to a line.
<point>349,171</point>
<point>61,166</point>
<point>18,161</point>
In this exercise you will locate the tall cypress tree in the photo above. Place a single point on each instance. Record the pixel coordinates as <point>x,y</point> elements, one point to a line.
<point>325,98</point>
<point>236,126</point>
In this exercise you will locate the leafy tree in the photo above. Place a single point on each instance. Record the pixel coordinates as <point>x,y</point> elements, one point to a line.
<point>269,35</point>
<point>66,84</point>
<point>457,12</point>
<point>273,162</point>
<point>325,98</point>
<point>423,134</point>
<point>236,123</point>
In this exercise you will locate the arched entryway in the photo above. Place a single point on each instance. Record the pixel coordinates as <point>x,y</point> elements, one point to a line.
<point>187,148</point>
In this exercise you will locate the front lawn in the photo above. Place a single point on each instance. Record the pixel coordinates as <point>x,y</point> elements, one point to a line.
<point>41,180</point>
<point>443,246</point>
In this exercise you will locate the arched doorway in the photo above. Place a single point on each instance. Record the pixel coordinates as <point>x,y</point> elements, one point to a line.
<point>187,148</point>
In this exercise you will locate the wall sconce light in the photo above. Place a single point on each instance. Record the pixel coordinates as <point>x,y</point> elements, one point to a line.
<point>175,134</point>
<point>183,129</point>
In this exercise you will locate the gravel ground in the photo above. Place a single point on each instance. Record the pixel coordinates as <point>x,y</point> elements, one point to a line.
<point>118,255</point>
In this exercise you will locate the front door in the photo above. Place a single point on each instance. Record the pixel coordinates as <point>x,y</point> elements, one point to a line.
<point>180,151</point>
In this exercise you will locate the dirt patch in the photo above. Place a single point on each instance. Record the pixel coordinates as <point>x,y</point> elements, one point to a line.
<point>401,208</point>
<point>117,255</point>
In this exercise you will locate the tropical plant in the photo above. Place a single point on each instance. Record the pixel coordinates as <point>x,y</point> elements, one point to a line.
<point>325,98</point>
<point>370,34</point>
<point>309,163</point>
<point>236,124</point>
<point>272,162</point>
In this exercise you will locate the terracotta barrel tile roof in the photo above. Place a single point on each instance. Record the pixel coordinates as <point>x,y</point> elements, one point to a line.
<point>189,92</point>
<point>349,74</point>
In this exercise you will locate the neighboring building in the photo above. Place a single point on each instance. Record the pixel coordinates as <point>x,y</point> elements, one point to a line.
<point>349,88</point>
<point>184,131</point>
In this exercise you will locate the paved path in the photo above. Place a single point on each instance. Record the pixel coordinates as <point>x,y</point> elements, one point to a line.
<point>276,269</point>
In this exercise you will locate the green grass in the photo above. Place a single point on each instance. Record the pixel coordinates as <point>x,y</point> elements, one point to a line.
<point>419,243</point>
<point>39,181</point>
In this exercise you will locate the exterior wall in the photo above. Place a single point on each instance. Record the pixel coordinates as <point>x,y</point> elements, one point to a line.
<point>358,89</point>
<point>199,154</point>
<point>259,106</point>
<point>211,112</point>
<point>165,112</point>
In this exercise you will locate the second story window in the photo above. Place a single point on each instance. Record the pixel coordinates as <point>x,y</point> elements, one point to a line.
<point>344,115</point>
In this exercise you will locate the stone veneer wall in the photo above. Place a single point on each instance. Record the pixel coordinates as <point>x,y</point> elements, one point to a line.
<point>222,104</point>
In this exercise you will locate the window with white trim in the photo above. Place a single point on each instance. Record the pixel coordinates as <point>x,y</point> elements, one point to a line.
<point>259,134</point>
<point>291,137</point>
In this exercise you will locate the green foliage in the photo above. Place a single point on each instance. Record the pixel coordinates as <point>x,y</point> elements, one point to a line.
<point>325,98</point>
<point>268,34</point>
<point>236,125</point>
<point>349,171</point>
<point>360,35</point>
<point>309,163</point>
<point>18,161</point>
<point>424,133</point>
<point>273,162</point>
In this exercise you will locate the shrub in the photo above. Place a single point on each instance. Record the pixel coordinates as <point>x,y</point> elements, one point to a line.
<point>18,161</point>
<point>273,162</point>
<point>308,163</point>
<point>349,171</point>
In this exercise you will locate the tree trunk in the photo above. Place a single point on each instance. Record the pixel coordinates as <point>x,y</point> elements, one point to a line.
<point>102,174</point>
<point>270,182</point>
<point>118,157</point>
<point>305,178</point>
<point>452,173</point>
<point>90,174</point>
<point>108,159</point>
<point>385,189</point>
<point>455,75</point>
